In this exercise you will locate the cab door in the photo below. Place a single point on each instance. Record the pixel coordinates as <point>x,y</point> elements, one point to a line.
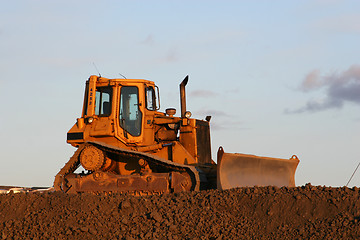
<point>130,120</point>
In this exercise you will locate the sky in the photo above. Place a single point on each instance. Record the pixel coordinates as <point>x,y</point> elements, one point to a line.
<point>278,77</point>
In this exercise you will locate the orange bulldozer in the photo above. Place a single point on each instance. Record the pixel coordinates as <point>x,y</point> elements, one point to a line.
<point>125,144</point>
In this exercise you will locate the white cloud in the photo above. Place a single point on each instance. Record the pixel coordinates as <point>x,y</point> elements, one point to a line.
<point>312,81</point>
<point>149,40</point>
<point>340,88</point>
<point>203,93</point>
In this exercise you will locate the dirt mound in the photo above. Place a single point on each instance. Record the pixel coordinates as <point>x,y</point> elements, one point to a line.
<point>307,212</point>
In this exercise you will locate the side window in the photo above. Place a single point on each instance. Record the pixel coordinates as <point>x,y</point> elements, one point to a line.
<point>130,114</point>
<point>103,101</point>
<point>150,99</point>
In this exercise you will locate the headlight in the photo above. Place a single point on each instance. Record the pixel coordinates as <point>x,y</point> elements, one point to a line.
<point>187,114</point>
<point>89,119</point>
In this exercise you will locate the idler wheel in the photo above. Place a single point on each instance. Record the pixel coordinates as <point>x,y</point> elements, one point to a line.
<point>92,158</point>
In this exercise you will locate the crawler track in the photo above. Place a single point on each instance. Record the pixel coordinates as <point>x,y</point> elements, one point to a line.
<point>171,172</point>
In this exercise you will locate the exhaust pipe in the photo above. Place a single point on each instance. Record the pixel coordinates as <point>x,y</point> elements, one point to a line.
<point>183,96</point>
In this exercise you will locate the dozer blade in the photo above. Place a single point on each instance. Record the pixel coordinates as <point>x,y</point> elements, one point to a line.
<point>243,170</point>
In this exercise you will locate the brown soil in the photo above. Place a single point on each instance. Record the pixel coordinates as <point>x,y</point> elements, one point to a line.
<point>307,212</point>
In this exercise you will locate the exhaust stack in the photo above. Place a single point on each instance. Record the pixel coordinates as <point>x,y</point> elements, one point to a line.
<point>183,95</point>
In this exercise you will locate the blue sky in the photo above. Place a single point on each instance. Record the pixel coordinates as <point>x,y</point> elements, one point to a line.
<point>278,77</point>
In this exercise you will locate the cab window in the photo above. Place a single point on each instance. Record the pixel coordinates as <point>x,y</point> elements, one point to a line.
<point>103,101</point>
<point>130,114</point>
<point>150,99</point>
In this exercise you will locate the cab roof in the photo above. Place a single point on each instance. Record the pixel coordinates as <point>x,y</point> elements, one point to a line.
<point>119,80</point>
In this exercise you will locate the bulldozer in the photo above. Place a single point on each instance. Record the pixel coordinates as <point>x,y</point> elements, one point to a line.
<point>126,145</point>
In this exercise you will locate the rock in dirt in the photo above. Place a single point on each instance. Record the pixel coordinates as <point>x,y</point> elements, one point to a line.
<point>307,212</point>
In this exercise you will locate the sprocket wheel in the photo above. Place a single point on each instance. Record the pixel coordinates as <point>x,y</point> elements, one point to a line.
<point>92,158</point>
